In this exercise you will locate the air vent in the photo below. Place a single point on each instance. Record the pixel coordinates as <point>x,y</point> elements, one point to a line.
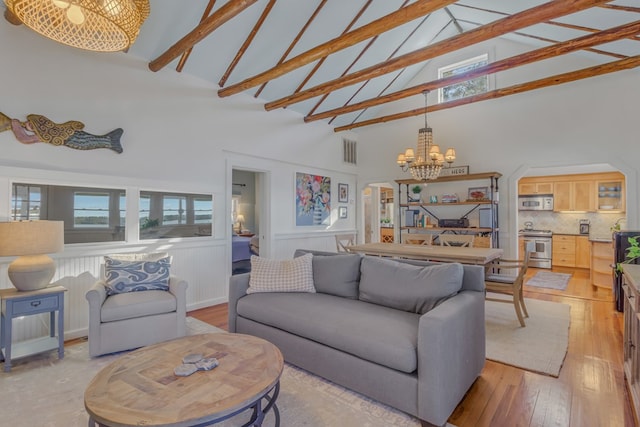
<point>349,152</point>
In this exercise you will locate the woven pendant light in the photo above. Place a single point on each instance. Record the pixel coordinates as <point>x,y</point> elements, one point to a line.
<point>97,25</point>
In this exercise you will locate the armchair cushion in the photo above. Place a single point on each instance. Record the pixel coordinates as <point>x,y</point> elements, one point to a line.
<point>137,304</point>
<point>124,276</point>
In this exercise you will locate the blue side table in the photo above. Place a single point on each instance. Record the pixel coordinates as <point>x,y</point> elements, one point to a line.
<point>16,304</point>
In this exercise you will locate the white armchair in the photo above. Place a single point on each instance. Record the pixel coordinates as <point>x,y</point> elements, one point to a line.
<point>135,319</point>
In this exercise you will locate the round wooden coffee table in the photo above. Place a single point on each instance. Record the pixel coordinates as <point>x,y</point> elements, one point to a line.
<point>140,387</point>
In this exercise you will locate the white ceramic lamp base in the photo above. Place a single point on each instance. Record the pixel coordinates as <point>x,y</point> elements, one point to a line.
<point>31,272</point>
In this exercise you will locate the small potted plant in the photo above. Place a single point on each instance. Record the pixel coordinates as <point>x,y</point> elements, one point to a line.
<point>632,253</point>
<point>416,190</point>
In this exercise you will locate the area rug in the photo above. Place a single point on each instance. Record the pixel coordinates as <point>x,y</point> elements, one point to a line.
<point>547,279</point>
<point>44,391</point>
<point>540,346</point>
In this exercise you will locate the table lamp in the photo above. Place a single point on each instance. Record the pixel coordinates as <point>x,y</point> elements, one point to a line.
<point>31,241</point>
<point>240,219</point>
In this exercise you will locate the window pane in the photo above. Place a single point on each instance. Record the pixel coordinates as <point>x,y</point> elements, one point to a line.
<point>26,203</point>
<point>89,214</point>
<point>91,210</point>
<point>165,215</point>
<point>466,88</point>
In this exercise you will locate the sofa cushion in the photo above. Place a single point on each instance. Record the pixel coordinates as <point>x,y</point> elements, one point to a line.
<point>371,332</point>
<point>291,275</point>
<point>408,287</point>
<point>131,276</point>
<point>335,274</point>
<point>137,304</point>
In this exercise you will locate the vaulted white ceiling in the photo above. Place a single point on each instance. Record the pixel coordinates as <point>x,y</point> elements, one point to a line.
<point>296,26</point>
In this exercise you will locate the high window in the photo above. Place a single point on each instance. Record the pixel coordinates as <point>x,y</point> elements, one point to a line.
<point>465,88</point>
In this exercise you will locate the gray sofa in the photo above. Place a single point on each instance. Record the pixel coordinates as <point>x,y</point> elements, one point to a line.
<point>364,329</point>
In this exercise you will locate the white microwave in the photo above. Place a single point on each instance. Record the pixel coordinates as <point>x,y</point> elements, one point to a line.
<point>536,203</point>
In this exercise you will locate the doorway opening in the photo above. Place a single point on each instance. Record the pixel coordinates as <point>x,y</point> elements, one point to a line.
<point>379,213</point>
<point>247,211</point>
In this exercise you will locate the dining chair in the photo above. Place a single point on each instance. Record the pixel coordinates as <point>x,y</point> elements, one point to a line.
<point>498,282</point>
<point>344,240</point>
<point>417,238</point>
<point>465,240</point>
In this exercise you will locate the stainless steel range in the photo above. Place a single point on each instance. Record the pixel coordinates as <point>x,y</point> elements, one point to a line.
<point>541,239</point>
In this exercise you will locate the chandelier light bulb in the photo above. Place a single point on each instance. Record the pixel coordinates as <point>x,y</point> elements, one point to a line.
<point>75,15</point>
<point>61,4</point>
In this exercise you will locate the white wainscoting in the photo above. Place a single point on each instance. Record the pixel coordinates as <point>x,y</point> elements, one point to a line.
<point>203,264</point>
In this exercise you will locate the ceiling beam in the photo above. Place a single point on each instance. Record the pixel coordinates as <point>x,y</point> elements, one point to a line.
<point>554,23</point>
<point>540,54</point>
<point>398,74</point>
<point>350,66</point>
<point>246,43</point>
<point>543,12</point>
<point>346,30</point>
<point>185,55</point>
<point>598,70</point>
<point>381,25</point>
<point>295,41</point>
<point>206,27</point>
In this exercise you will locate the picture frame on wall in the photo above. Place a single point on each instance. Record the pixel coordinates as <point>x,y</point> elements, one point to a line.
<point>313,199</point>
<point>342,212</point>
<point>478,193</point>
<point>343,193</point>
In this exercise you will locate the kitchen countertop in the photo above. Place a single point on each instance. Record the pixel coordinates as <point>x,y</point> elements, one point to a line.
<point>592,238</point>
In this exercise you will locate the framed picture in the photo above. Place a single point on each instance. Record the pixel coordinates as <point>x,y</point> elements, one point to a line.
<point>342,212</point>
<point>478,193</point>
<point>343,193</point>
<point>313,199</point>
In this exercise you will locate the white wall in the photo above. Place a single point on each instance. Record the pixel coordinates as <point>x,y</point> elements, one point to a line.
<point>177,136</point>
<point>591,121</point>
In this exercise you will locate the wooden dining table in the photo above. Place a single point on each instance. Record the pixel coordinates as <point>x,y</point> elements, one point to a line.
<point>464,255</point>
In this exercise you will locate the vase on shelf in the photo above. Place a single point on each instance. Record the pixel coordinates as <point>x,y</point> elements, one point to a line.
<point>317,213</point>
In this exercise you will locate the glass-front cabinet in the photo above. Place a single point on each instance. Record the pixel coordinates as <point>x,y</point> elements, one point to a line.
<point>610,196</point>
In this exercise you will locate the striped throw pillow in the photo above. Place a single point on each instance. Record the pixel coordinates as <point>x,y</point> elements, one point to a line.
<point>292,275</point>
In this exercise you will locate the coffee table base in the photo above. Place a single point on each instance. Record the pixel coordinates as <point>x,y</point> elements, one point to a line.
<point>256,418</point>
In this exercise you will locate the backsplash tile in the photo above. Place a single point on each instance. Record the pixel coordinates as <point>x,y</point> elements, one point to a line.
<point>568,223</point>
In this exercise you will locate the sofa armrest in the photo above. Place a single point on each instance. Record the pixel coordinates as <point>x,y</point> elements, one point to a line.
<point>451,354</point>
<point>238,286</point>
<point>96,295</point>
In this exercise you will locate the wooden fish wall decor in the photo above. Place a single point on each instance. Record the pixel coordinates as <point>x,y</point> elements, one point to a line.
<point>38,128</point>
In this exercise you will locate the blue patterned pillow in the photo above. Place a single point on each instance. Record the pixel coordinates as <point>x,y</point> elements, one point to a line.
<point>132,276</point>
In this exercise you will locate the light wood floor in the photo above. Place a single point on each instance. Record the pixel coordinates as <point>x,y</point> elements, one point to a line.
<point>589,392</point>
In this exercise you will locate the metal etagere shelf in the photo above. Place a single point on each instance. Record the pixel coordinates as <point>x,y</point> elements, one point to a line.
<point>492,232</point>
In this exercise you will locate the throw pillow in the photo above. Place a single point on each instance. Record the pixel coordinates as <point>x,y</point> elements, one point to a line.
<point>408,287</point>
<point>132,276</point>
<point>336,274</point>
<point>292,275</point>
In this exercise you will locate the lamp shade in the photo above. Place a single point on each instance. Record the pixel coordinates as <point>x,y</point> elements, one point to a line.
<point>31,241</point>
<point>31,237</point>
<point>97,25</point>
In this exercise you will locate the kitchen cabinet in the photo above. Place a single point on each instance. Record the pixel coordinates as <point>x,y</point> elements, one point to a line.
<point>574,196</point>
<point>631,337</point>
<point>602,259</point>
<point>487,207</point>
<point>610,196</point>
<point>532,188</point>
<point>583,252</point>
<point>563,250</point>
<point>571,251</point>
